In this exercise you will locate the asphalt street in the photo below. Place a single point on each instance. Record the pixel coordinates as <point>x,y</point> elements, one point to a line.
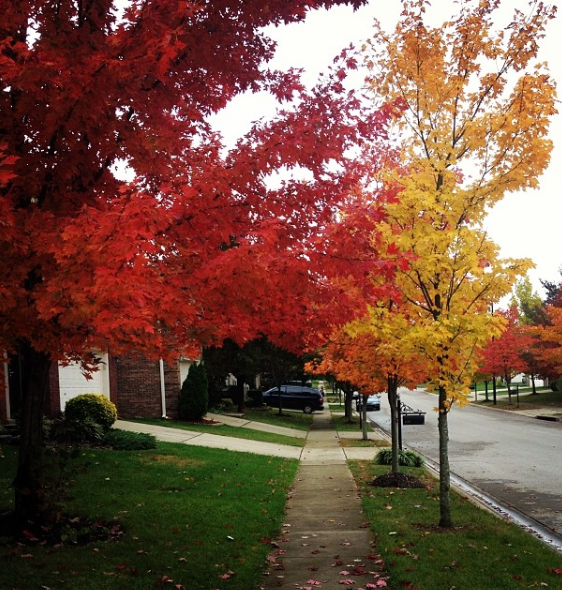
<point>514,458</point>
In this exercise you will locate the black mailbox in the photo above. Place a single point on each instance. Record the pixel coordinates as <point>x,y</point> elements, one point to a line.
<point>413,418</point>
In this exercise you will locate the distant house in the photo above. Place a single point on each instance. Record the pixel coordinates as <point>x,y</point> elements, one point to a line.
<point>138,387</point>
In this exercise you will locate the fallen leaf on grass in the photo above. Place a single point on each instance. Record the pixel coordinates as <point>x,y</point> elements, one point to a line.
<point>347,582</point>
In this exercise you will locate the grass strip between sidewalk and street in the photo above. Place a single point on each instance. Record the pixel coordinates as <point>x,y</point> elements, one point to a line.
<point>481,550</point>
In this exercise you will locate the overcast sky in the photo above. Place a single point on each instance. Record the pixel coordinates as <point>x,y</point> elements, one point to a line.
<point>524,224</point>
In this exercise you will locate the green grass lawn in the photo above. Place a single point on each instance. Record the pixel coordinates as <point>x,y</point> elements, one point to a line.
<point>480,552</point>
<point>544,398</point>
<point>188,518</point>
<point>227,430</point>
<point>194,518</point>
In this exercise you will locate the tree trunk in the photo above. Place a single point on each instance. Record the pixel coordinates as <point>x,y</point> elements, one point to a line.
<point>28,483</point>
<point>348,401</point>
<point>444,470</point>
<point>364,414</point>
<point>394,422</point>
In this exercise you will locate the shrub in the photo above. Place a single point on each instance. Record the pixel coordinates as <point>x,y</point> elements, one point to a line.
<point>405,458</point>
<point>76,431</point>
<point>123,440</point>
<point>91,406</point>
<point>194,395</point>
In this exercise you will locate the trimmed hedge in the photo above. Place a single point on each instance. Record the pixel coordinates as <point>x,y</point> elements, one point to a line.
<point>91,407</point>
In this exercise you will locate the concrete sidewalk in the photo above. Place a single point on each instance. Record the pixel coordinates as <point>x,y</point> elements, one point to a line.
<point>326,540</point>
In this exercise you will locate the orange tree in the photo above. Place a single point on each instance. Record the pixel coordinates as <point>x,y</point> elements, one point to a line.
<point>548,340</point>
<point>474,126</point>
<point>194,244</point>
<point>393,354</point>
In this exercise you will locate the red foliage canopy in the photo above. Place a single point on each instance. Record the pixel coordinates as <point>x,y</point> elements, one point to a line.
<point>505,356</point>
<point>198,244</point>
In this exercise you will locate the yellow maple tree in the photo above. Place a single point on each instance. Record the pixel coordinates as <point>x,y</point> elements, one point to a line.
<point>476,113</point>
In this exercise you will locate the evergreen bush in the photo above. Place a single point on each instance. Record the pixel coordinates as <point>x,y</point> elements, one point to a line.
<point>194,395</point>
<point>91,407</point>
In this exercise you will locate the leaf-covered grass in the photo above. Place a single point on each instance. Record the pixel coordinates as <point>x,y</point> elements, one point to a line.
<point>227,430</point>
<point>343,424</point>
<point>193,518</point>
<point>480,552</point>
<point>288,419</point>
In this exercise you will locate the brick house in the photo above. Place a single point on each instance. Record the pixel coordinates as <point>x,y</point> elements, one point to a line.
<point>139,388</point>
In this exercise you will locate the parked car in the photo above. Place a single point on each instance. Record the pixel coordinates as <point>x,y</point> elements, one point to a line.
<point>373,402</point>
<point>295,397</point>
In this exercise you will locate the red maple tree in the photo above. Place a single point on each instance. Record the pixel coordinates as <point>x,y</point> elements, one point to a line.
<point>505,356</point>
<point>198,244</point>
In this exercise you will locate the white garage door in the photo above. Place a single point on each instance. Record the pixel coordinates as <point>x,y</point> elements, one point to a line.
<point>184,369</point>
<point>72,382</point>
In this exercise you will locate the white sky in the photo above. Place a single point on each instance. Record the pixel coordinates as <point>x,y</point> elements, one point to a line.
<point>524,225</point>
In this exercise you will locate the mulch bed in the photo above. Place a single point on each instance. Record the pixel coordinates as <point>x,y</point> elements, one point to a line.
<point>397,480</point>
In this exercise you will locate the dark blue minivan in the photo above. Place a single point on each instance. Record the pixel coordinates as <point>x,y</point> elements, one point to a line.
<point>294,397</point>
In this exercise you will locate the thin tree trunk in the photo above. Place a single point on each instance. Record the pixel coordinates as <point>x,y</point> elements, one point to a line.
<point>364,414</point>
<point>28,483</point>
<point>348,400</point>
<point>444,469</point>
<point>394,425</point>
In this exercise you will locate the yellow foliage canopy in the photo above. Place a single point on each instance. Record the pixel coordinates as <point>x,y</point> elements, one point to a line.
<point>475,123</point>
